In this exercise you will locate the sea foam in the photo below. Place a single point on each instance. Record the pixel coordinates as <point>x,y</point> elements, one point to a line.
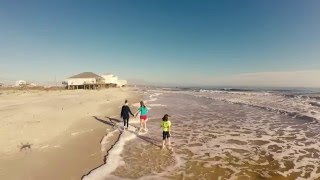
<point>113,160</point>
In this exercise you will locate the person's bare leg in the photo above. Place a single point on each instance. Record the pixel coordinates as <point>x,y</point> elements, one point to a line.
<point>169,143</point>
<point>141,125</point>
<point>145,125</point>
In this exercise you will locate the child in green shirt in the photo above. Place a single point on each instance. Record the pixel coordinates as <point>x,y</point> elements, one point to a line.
<point>166,126</point>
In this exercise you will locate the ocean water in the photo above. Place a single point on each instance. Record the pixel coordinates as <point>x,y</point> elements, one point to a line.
<point>223,134</point>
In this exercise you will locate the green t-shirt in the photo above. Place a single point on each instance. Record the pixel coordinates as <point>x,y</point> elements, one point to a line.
<point>143,111</point>
<point>166,125</point>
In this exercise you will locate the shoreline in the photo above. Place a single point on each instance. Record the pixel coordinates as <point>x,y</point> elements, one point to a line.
<point>129,141</point>
<point>73,153</point>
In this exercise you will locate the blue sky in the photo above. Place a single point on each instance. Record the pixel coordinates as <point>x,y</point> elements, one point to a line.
<point>165,42</point>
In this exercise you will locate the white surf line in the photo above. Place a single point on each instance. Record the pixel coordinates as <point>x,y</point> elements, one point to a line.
<point>113,161</point>
<point>113,158</point>
<point>106,138</point>
<point>157,105</point>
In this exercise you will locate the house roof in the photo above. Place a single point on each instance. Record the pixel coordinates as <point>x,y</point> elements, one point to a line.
<point>86,75</point>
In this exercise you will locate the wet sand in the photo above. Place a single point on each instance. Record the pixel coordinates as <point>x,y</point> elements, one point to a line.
<point>215,139</point>
<point>62,146</point>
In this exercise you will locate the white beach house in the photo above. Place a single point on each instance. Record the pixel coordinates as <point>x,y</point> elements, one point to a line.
<point>21,83</point>
<point>122,83</point>
<point>85,80</point>
<point>110,79</point>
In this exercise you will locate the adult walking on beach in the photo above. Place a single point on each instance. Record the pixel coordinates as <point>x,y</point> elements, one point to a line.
<point>143,116</point>
<point>125,110</point>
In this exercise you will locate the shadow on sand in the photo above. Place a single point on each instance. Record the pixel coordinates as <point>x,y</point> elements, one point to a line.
<point>104,121</point>
<point>112,122</point>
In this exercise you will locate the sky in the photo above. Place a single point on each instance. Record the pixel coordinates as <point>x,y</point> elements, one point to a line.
<point>231,42</point>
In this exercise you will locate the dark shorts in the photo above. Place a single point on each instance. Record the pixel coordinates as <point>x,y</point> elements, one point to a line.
<point>165,134</point>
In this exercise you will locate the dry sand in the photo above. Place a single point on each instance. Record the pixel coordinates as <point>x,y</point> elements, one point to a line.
<point>63,129</point>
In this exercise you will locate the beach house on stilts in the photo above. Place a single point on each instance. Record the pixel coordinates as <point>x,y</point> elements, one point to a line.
<point>85,80</point>
<point>121,83</point>
<point>110,80</point>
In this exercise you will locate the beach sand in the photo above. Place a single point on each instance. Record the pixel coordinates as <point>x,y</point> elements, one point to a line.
<point>57,134</point>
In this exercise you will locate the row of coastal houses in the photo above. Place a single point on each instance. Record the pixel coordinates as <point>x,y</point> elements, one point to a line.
<point>90,80</point>
<point>19,83</point>
<point>22,83</point>
<point>85,80</point>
